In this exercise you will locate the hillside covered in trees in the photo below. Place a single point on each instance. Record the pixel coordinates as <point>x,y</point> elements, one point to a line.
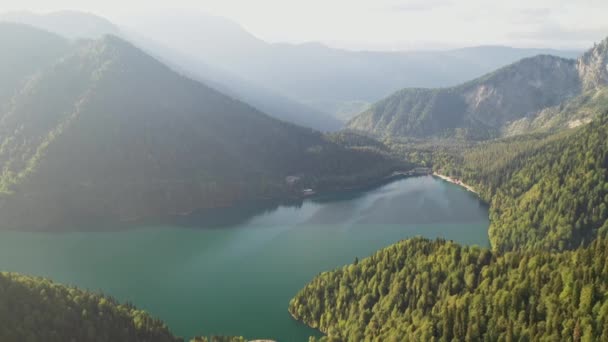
<point>546,192</point>
<point>544,278</point>
<point>36,309</point>
<point>100,130</point>
<point>421,290</point>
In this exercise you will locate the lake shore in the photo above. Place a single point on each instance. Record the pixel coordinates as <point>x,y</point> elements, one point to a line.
<point>456,181</point>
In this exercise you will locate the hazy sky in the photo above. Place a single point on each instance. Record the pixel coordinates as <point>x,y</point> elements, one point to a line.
<point>381,24</point>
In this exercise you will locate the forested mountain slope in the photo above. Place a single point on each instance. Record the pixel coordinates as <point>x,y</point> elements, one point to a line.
<point>544,278</point>
<point>36,309</point>
<point>520,98</point>
<point>420,290</point>
<point>546,192</point>
<point>109,132</point>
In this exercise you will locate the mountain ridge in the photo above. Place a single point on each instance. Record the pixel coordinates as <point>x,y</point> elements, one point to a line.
<point>110,132</point>
<point>68,24</point>
<point>491,105</point>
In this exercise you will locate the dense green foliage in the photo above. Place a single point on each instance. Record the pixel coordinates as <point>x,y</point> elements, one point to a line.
<point>36,309</point>
<point>106,131</point>
<point>544,279</point>
<point>549,192</point>
<point>420,290</point>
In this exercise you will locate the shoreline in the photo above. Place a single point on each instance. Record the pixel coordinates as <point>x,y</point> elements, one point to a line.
<point>457,182</point>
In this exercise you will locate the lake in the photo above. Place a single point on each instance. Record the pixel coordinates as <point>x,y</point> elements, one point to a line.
<point>233,271</point>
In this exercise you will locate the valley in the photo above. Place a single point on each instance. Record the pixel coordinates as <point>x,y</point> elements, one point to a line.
<point>182,178</point>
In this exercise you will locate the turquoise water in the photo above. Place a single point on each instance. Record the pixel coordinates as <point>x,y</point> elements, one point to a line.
<point>233,271</point>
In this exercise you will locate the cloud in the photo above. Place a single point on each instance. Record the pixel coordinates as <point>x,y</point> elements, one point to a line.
<point>535,13</point>
<point>559,36</point>
<point>554,32</point>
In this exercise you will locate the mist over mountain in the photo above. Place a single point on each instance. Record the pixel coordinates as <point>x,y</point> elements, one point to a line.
<point>25,52</point>
<point>178,160</point>
<point>268,101</point>
<point>309,84</point>
<point>78,25</point>
<point>69,24</point>
<point>107,131</point>
<point>328,79</point>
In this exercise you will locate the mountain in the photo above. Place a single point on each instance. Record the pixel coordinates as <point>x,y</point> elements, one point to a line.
<point>508,101</point>
<point>308,84</point>
<point>108,132</point>
<point>31,52</point>
<point>267,101</point>
<point>73,25</point>
<point>69,24</point>
<point>543,279</point>
<point>330,80</point>
<point>476,109</point>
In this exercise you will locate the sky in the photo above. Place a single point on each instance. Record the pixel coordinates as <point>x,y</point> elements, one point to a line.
<point>379,24</point>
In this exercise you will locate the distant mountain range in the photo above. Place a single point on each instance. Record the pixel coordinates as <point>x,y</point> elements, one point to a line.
<point>328,79</point>
<point>99,129</point>
<point>308,84</point>
<point>540,93</point>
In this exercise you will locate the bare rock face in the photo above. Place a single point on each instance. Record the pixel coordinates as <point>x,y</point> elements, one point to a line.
<point>593,66</point>
<point>521,90</point>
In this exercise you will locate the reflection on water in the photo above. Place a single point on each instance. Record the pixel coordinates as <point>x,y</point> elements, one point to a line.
<point>420,200</point>
<point>238,279</point>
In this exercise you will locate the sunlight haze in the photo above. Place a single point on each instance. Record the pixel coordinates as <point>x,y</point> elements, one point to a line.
<point>379,25</point>
<point>303,171</point>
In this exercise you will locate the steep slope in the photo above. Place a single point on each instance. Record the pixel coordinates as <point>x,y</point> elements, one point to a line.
<point>267,101</point>
<point>574,112</point>
<point>25,51</point>
<point>478,109</point>
<point>75,25</point>
<point>542,93</point>
<point>109,132</point>
<point>36,309</point>
<point>593,66</point>
<point>545,192</point>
